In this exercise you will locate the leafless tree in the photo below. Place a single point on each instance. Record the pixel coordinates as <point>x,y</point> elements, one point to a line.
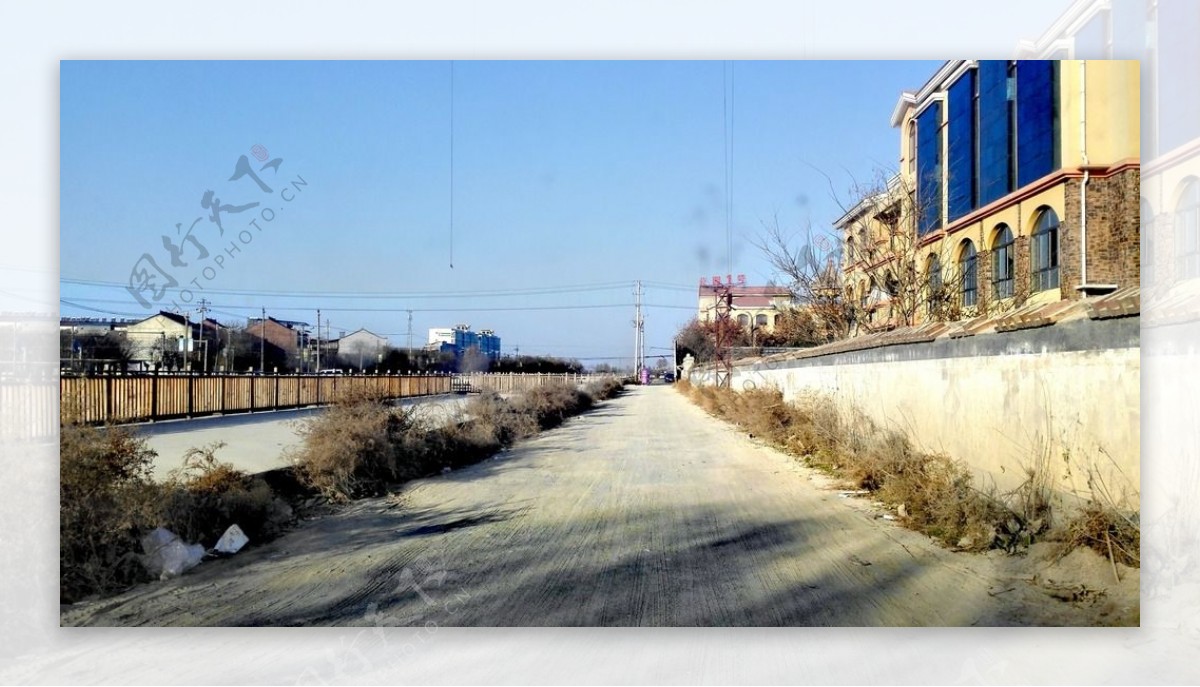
<point>810,262</point>
<point>874,271</point>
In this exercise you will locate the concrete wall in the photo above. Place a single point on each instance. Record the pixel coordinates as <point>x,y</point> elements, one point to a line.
<point>995,401</point>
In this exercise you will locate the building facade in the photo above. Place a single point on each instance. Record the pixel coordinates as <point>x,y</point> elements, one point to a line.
<point>288,336</point>
<point>362,348</point>
<point>1018,184</point>
<point>460,339</point>
<point>154,339</point>
<point>753,307</point>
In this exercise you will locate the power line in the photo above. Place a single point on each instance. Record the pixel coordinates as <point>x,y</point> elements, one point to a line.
<point>231,306</point>
<point>489,293</point>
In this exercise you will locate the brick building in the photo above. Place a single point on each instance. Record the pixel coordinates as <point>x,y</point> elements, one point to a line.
<point>1018,185</point>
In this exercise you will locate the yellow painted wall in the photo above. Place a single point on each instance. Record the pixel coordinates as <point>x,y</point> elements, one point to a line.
<point>1113,111</point>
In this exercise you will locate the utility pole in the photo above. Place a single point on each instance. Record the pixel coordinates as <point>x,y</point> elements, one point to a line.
<point>318,340</point>
<point>187,349</point>
<point>410,333</point>
<point>723,363</point>
<point>638,328</point>
<point>262,343</point>
<point>203,319</point>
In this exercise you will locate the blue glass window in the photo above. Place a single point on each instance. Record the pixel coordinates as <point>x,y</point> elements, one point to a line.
<point>968,268</point>
<point>1044,249</point>
<point>929,169</point>
<point>960,162</point>
<point>1002,262</point>
<point>994,146</point>
<point>1037,120</point>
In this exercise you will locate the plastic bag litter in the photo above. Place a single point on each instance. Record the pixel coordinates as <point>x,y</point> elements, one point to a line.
<point>167,555</point>
<point>232,541</point>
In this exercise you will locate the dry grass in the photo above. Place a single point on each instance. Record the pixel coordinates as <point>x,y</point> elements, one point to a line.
<point>204,497</point>
<point>360,446</point>
<point>109,500</point>
<point>350,449</point>
<point>936,492</point>
<point>1115,535</point>
<point>106,498</point>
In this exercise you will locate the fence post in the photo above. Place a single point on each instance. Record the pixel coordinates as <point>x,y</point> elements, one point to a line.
<point>154,397</point>
<point>190,392</point>
<point>108,399</point>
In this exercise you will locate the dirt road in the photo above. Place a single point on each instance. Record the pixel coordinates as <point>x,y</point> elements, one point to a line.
<point>642,512</point>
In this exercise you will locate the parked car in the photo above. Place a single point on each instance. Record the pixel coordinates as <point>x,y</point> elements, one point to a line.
<point>668,377</point>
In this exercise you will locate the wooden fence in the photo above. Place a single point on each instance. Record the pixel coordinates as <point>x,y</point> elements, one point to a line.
<point>160,397</point>
<point>503,382</point>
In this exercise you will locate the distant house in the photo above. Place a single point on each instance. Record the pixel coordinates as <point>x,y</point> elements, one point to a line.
<point>362,348</point>
<point>753,306</point>
<point>154,338</point>
<point>289,336</point>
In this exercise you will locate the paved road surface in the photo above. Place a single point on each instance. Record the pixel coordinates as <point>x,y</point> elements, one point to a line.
<point>642,512</point>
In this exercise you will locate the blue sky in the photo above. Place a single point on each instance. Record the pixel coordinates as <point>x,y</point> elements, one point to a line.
<point>566,174</point>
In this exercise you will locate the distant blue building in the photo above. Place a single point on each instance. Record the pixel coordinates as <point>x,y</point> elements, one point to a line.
<point>461,339</point>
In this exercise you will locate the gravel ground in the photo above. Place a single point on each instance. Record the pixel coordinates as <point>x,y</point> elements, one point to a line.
<point>644,511</point>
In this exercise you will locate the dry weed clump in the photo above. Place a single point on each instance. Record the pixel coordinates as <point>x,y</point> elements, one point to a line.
<point>107,497</point>
<point>936,492</point>
<point>205,496</point>
<point>360,445</point>
<point>350,449</point>
<point>604,389</point>
<point>551,404</point>
<point>109,500</point>
<point>1114,535</point>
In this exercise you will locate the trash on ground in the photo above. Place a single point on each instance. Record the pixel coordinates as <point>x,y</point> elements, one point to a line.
<point>232,541</point>
<point>167,555</point>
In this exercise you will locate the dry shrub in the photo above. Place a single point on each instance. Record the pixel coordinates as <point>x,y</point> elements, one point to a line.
<point>604,389</point>
<point>1107,531</point>
<point>937,493</point>
<point>551,404</point>
<point>350,449</point>
<point>107,498</point>
<point>204,497</point>
<point>359,446</point>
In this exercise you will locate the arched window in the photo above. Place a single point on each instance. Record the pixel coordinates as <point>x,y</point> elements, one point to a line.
<point>778,319</point>
<point>760,320</point>
<point>744,320</point>
<point>1002,261</point>
<point>1147,232</point>
<point>1044,249</point>
<point>967,266</point>
<point>1187,231</point>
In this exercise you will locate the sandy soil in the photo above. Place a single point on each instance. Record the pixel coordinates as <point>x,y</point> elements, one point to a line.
<point>643,512</point>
